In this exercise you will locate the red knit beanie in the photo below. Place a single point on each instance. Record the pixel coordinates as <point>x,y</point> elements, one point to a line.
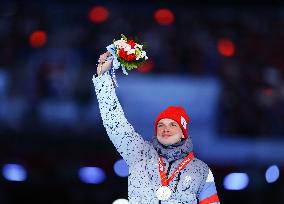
<point>178,114</point>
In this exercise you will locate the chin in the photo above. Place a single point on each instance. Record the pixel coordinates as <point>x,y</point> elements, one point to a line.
<point>166,142</point>
<point>170,140</point>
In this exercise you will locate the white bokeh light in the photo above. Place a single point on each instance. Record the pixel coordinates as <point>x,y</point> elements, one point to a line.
<point>236,181</point>
<point>120,168</point>
<point>14,172</point>
<point>92,175</point>
<point>121,201</point>
<point>272,174</point>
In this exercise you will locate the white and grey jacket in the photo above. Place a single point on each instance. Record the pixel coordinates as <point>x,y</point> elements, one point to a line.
<point>194,184</point>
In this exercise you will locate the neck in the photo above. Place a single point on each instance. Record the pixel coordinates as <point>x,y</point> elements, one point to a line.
<point>174,151</point>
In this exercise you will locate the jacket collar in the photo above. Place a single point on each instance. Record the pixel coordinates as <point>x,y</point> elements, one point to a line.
<point>175,151</point>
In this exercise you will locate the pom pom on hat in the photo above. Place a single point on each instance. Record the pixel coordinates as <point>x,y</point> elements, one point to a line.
<point>178,114</point>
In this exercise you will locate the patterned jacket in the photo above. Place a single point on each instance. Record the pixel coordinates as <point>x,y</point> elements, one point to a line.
<point>194,184</point>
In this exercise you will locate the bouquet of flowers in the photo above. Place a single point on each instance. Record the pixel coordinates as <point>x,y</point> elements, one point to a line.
<point>127,54</point>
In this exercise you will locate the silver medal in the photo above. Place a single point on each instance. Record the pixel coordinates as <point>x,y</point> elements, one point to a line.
<point>163,193</point>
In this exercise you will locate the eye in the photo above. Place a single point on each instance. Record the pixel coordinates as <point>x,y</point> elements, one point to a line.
<point>160,125</point>
<point>174,124</point>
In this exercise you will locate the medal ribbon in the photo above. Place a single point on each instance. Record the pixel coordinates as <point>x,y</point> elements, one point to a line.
<point>180,167</point>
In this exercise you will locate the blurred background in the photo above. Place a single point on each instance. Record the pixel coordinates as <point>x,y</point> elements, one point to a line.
<point>223,62</point>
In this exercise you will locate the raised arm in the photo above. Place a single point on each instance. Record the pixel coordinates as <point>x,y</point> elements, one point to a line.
<point>129,143</point>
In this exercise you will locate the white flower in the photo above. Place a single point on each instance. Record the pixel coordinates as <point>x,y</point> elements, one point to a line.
<point>143,54</point>
<point>120,44</point>
<point>132,51</point>
<point>138,46</point>
<point>127,48</point>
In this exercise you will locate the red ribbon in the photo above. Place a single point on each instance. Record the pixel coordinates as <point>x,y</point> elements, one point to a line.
<point>181,166</point>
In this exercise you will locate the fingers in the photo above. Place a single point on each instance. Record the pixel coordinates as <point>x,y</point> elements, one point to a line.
<point>104,67</point>
<point>99,69</point>
<point>104,56</point>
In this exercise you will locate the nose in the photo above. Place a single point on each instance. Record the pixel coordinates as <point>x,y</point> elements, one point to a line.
<point>166,129</point>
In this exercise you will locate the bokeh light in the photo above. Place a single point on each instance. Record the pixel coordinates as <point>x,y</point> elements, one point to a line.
<point>147,67</point>
<point>164,16</point>
<point>92,175</point>
<point>14,172</point>
<point>272,174</point>
<point>226,47</point>
<point>120,168</point>
<point>120,201</point>
<point>236,181</point>
<point>267,91</point>
<point>98,14</point>
<point>38,39</point>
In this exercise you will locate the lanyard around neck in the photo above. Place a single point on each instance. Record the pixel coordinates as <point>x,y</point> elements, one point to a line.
<point>181,166</point>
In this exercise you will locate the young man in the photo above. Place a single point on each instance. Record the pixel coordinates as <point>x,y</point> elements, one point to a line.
<point>163,170</point>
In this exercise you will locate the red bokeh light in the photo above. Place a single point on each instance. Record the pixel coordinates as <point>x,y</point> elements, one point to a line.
<point>164,16</point>
<point>38,39</point>
<point>98,14</point>
<point>226,47</point>
<point>268,91</point>
<point>147,67</point>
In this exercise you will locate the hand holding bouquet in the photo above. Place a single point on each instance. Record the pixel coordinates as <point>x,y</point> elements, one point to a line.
<point>124,53</point>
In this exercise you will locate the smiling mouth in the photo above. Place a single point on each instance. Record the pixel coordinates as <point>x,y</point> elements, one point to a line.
<point>166,135</point>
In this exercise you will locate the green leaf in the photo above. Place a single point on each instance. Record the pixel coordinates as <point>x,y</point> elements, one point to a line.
<point>123,37</point>
<point>131,65</point>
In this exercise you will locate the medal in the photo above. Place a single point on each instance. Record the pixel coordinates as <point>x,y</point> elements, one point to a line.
<point>163,193</point>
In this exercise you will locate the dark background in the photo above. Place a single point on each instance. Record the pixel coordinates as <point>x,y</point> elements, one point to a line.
<point>49,117</point>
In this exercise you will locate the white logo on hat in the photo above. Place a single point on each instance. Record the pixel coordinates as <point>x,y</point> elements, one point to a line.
<point>183,122</point>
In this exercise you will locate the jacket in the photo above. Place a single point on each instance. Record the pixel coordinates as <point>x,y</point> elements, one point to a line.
<point>194,184</point>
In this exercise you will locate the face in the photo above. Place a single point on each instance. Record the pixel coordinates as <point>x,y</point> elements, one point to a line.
<point>169,132</point>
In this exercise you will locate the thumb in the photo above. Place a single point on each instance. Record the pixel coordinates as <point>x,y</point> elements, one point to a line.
<point>104,67</point>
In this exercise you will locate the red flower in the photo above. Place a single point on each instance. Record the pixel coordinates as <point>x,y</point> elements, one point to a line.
<point>123,54</point>
<point>131,43</point>
<point>131,57</point>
